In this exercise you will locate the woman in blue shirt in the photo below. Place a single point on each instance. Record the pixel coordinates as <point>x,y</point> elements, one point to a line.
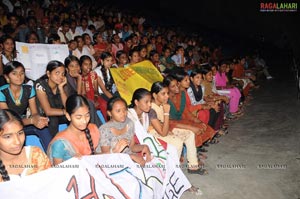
<point>19,97</point>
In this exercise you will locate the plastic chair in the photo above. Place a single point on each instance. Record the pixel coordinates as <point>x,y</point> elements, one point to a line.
<point>184,150</point>
<point>183,156</point>
<point>101,117</point>
<point>62,127</point>
<point>33,140</point>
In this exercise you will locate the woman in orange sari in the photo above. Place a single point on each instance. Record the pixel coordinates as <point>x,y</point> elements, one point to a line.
<point>179,112</point>
<point>197,111</point>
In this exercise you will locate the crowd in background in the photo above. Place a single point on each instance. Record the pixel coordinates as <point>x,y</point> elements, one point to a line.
<point>202,90</point>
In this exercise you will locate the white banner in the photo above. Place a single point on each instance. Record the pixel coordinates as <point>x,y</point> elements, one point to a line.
<point>35,57</point>
<point>176,182</point>
<point>100,176</point>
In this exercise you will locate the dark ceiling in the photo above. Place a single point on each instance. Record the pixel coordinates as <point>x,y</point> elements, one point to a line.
<point>241,19</point>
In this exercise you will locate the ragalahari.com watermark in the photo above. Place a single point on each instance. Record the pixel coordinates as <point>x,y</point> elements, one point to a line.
<point>230,166</point>
<point>278,7</point>
<point>272,166</point>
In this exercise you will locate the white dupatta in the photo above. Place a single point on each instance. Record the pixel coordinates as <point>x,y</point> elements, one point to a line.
<point>167,158</point>
<point>143,121</point>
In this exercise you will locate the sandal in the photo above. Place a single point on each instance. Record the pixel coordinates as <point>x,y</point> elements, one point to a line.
<point>238,115</point>
<point>218,135</point>
<point>201,156</point>
<point>230,117</point>
<point>239,112</point>
<point>225,131</point>
<point>205,144</point>
<point>195,190</point>
<point>225,125</point>
<point>181,159</point>
<point>199,171</point>
<point>221,132</point>
<point>201,149</point>
<point>214,141</point>
<point>200,163</point>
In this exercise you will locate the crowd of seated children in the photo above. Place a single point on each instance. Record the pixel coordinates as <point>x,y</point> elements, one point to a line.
<point>180,113</point>
<point>74,84</point>
<point>200,102</point>
<point>196,94</point>
<point>159,116</point>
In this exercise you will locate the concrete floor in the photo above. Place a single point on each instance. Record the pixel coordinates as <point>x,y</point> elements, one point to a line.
<point>260,157</point>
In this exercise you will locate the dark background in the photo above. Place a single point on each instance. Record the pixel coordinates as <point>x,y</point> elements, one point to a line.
<point>228,23</point>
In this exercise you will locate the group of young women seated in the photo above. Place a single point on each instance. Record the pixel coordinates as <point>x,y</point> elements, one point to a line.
<point>187,110</point>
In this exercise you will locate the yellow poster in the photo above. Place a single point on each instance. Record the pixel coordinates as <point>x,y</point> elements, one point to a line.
<point>139,75</point>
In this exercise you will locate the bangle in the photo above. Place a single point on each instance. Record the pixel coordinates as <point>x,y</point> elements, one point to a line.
<point>166,113</point>
<point>31,122</point>
<point>111,150</point>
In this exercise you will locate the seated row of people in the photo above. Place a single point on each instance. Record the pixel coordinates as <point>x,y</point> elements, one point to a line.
<point>167,112</point>
<point>80,138</point>
<point>199,109</point>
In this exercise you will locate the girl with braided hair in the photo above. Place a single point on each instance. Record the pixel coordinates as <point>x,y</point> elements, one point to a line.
<point>80,137</point>
<point>17,160</point>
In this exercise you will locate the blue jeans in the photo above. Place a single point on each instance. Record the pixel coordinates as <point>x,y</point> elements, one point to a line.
<point>43,134</point>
